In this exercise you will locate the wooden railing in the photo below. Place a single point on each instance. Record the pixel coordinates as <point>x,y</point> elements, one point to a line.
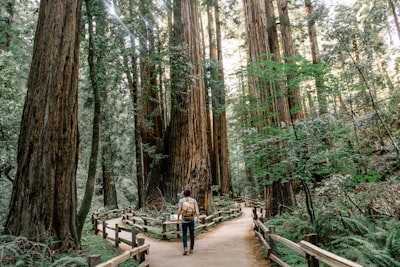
<point>166,228</point>
<point>144,223</point>
<point>306,248</point>
<point>135,253</point>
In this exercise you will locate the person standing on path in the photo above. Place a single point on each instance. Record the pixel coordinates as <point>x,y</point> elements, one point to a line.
<point>188,207</point>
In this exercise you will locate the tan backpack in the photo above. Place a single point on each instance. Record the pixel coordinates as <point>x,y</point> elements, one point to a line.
<point>188,210</point>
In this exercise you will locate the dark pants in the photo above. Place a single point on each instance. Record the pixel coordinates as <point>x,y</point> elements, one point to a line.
<point>185,226</point>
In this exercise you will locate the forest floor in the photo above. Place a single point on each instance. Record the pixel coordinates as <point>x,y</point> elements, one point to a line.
<point>231,243</point>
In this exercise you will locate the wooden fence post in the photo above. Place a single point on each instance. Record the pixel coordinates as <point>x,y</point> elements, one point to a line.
<point>145,223</point>
<point>272,242</point>
<point>255,213</point>
<point>116,235</point>
<point>178,228</point>
<point>104,229</point>
<point>95,223</point>
<point>134,232</point>
<point>94,260</point>
<point>164,229</point>
<point>312,261</point>
<point>140,257</point>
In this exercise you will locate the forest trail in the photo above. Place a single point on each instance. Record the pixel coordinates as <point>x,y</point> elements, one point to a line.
<point>231,243</point>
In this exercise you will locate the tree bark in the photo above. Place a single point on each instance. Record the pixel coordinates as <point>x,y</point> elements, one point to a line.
<point>294,98</point>
<point>44,199</point>
<point>312,34</point>
<point>189,163</point>
<point>212,119</point>
<point>89,190</point>
<point>226,179</point>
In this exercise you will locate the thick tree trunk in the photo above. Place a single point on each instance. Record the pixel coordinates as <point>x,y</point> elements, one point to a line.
<point>262,39</point>
<point>189,163</point>
<point>44,199</point>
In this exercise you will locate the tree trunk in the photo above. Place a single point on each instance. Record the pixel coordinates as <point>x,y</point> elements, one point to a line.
<point>260,20</point>
<point>294,97</point>
<point>150,127</point>
<point>226,179</point>
<point>396,18</point>
<point>44,200</point>
<point>89,190</point>
<point>6,27</point>
<point>110,191</point>
<point>189,163</point>
<point>312,34</point>
<point>211,85</point>
<point>280,92</point>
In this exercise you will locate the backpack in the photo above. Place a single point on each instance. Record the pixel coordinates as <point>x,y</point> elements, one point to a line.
<point>188,210</point>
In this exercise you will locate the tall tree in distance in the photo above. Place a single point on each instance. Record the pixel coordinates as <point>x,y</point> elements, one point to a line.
<point>44,193</point>
<point>89,189</point>
<point>272,98</point>
<point>294,99</point>
<point>226,179</point>
<point>6,23</point>
<point>211,88</point>
<point>312,34</point>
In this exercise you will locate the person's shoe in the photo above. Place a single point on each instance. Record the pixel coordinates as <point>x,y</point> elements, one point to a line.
<point>191,251</point>
<point>185,252</point>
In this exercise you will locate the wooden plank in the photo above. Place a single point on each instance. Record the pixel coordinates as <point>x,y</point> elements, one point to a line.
<point>290,244</point>
<point>200,226</point>
<point>219,219</point>
<point>172,233</point>
<point>125,256</point>
<point>172,222</point>
<point>152,228</point>
<point>144,264</point>
<point>263,227</point>
<point>263,241</point>
<point>326,256</point>
<point>150,219</point>
<point>210,224</point>
<point>277,260</point>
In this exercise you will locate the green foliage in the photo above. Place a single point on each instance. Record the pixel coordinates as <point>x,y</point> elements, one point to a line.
<point>18,251</point>
<point>349,221</point>
<point>371,177</point>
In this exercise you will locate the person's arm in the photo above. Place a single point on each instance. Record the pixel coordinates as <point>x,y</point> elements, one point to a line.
<point>179,210</point>
<point>198,213</point>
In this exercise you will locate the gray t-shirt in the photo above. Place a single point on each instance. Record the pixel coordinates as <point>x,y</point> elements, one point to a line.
<point>181,205</point>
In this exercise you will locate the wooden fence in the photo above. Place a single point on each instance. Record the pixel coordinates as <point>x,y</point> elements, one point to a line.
<point>167,228</point>
<point>305,248</point>
<point>144,223</point>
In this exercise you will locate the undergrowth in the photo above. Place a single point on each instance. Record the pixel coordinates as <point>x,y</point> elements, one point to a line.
<point>18,251</point>
<point>355,224</point>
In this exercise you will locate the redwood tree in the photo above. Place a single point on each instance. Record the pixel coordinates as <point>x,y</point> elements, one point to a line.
<point>44,199</point>
<point>189,163</point>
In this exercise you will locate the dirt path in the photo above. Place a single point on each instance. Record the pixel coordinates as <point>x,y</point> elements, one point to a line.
<point>231,243</point>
